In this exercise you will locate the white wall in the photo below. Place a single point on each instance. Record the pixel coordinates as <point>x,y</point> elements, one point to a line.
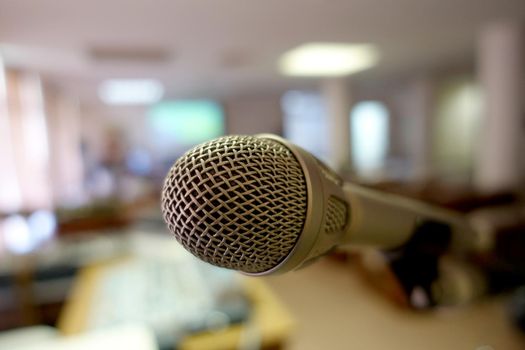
<point>254,114</point>
<point>64,130</point>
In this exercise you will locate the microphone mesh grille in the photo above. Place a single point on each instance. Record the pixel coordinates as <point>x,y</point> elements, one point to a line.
<point>238,202</point>
<point>336,215</point>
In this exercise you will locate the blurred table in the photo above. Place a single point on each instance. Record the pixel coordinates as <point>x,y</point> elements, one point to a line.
<point>269,325</point>
<point>336,309</point>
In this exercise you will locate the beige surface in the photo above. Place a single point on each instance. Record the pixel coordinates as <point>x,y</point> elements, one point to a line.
<point>335,310</point>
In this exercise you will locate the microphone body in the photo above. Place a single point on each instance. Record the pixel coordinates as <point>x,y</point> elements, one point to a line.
<point>297,210</point>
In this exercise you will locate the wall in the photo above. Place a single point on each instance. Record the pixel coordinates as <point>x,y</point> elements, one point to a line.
<point>254,114</point>
<point>67,172</point>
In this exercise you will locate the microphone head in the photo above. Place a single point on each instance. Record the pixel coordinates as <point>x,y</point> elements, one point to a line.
<point>247,203</point>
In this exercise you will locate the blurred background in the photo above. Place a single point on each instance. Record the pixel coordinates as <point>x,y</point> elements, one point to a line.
<point>99,98</point>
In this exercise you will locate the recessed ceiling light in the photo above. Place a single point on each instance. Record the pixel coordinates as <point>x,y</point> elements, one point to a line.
<point>328,59</point>
<point>130,91</point>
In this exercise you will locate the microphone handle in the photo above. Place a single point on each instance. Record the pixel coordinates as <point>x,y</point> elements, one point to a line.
<point>387,221</point>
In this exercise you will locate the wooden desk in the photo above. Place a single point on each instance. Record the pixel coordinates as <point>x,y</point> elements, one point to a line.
<point>270,323</point>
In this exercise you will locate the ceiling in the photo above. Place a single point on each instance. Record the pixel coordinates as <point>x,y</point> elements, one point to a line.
<point>220,47</point>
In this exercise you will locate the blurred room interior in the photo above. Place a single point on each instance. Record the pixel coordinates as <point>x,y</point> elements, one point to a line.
<point>99,98</point>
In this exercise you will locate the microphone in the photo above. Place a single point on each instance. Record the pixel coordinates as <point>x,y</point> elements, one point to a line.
<point>261,205</point>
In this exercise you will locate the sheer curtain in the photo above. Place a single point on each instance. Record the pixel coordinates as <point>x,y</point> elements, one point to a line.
<point>40,156</point>
<point>24,144</point>
<point>10,194</point>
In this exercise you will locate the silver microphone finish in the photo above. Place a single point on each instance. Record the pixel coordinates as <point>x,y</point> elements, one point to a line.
<point>238,202</point>
<point>261,205</point>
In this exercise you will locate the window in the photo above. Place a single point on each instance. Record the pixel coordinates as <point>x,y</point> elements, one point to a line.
<point>369,123</point>
<point>304,121</point>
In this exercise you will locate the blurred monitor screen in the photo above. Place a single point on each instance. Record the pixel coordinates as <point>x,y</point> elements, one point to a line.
<point>179,125</point>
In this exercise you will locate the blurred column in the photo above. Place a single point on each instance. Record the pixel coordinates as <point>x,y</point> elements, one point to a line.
<point>412,129</point>
<point>501,72</point>
<point>65,144</point>
<point>423,90</point>
<point>337,95</point>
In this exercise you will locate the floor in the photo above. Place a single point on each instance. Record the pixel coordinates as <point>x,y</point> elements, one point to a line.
<point>335,309</point>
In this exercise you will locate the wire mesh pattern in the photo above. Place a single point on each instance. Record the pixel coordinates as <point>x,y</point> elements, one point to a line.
<point>336,215</point>
<point>238,202</point>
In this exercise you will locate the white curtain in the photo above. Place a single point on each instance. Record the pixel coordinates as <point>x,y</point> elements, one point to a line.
<point>40,157</point>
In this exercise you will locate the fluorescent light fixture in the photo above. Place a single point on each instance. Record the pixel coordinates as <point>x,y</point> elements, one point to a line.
<point>130,91</point>
<point>328,59</point>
